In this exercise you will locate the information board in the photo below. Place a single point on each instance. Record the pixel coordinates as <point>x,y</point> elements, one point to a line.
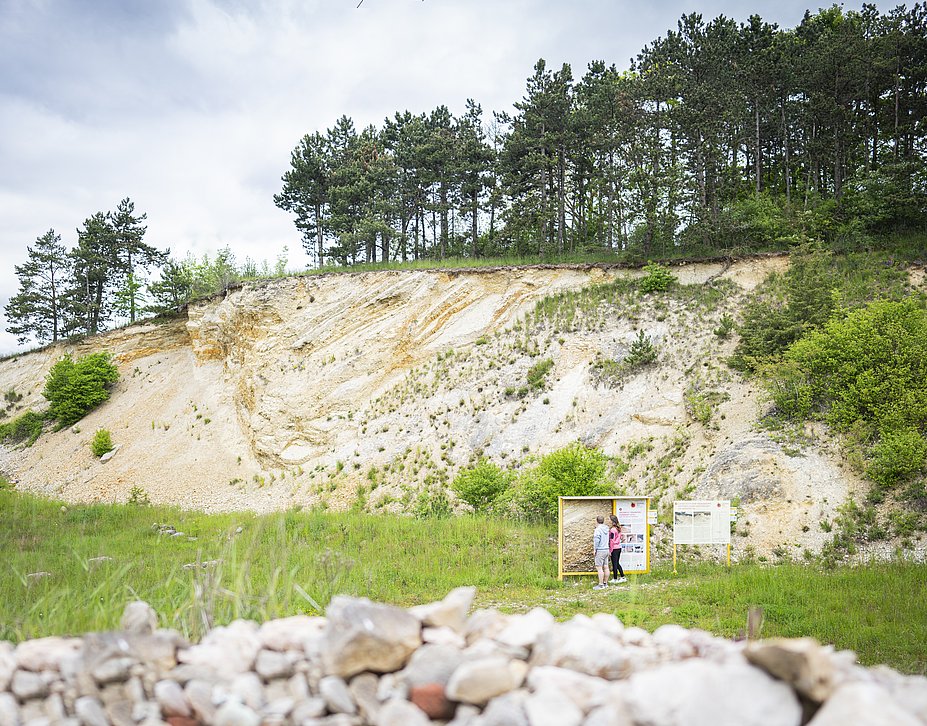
<point>705,522</point>
<point>577,521</point>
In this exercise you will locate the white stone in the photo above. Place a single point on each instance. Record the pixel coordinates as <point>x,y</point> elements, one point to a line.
<point>7,665</point>
<point>578,645</point>
<point>911,694</point>
<point>450,612</point>
<point>863,703</point>
<point>364,636</point>
<point>270,664</point>
<point>484,624</point>
<point>248,687</point>
<point>26,685</point>
<point>363,689</point>
<point>140,618</point>
<point>524,630</point>
<point>401,713</point>
<point>9,712</point>
<point>337,695</point>
<point>112,670</point>
<point>232,713</point>
<point>309,708</point>
<point>290,633</point>
<point>229,650</point>
<point>585,691</point>
<point>45,654</point>
<point>90,712</point>
<point>506,710</point>
<point>610,714</point>
<point>443,636</point>
<point>478,681</point>
<point>170,697</point>
<point>431,664</point>
<point>608,624</point>
<point>682,693</point>
<point>551,707</point>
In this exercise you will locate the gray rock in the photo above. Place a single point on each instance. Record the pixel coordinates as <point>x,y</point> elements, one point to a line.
<point>392,686</point>
<point>270,664</point>
<point>54,708</point>
<point>298,687</point>
<point>863,703</point>
<point>401,713</point>
<point>450,612</point>
<point>675,641</point>
<point>364,636</point>
<point>682,693</point>
<point>278,708</point>
<point>363,689</point>
<point>431,664</point>
<point>113,670</point>
<point>551,707</point>
<point>233,713</point>
<point>337,695</point>
<point>90,712</point>
<point>506,710</point>
<point>800,662</point>
<point>9,711</point>
<point>26,685</point>
<point>139,618</point>
<point>465,715</point>
<point>479,681</point>
<point>443,636</point>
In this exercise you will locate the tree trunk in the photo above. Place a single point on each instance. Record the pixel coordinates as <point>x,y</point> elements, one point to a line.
<point>756,152</point>
<point>318,234</point>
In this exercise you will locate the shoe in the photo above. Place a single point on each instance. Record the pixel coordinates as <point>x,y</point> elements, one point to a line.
<point>599,587</point>
<point>622,579</point>
<point>614,581</point>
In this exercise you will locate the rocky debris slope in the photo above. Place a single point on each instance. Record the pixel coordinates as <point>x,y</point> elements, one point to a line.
<point>368,663</point>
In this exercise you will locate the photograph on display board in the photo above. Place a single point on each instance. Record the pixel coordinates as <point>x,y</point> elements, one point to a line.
<point>578,525</point>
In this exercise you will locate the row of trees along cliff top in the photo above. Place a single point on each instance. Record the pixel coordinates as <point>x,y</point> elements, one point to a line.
<point>721,134</point>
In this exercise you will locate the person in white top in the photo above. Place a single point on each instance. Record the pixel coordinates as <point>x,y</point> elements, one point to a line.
<point>600,550</point>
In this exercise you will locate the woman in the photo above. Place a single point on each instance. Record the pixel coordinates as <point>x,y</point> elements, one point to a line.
<point>614,547</point>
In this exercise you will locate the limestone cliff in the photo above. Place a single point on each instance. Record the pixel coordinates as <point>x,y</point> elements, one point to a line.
<point>367,387</point>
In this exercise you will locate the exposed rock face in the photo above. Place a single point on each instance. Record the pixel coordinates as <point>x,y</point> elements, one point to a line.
<point>675,677</point>
<point>263,395</point>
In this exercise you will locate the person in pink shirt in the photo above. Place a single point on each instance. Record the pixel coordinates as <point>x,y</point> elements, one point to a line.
<point>614,548</point>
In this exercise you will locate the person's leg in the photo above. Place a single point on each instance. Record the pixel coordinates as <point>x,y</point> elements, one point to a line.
<point>615,566</point>
<point>618,564</point>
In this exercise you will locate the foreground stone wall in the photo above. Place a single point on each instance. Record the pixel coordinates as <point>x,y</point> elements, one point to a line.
<point>367,663</point>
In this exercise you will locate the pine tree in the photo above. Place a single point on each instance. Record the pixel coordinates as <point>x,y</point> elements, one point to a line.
<point>38,309</point>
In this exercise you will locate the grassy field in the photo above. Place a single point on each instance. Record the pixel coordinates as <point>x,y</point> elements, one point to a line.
<point>294,562</point>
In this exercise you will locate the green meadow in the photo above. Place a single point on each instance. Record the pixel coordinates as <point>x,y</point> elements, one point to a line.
<point>228,566</point>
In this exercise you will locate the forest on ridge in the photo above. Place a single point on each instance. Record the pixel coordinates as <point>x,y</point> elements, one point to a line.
<point>721,135</point>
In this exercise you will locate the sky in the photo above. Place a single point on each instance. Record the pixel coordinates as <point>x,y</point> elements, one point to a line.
<point>192,107</point>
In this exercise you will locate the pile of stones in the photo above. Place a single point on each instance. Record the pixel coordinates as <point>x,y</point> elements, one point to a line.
<point>369,663</point>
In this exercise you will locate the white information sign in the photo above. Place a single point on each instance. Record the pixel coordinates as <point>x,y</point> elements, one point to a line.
<point>632,515</point>
<point>702,522</point>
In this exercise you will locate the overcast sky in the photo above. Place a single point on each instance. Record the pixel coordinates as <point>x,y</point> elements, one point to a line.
<point>191,107</point>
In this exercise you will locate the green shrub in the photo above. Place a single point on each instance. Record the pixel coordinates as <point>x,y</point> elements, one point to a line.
<point>656,278</point>
<point>865,374</point>
<point>481,485</point>
<point>431,503</point>
<point>574,471</point>
<point>102,442</point>
<point>898,456</point>
<point>537,374</point>
<point>138,497</point>
<point>73,388</point>
<point>641,353</point>
<point>25,428</point>
<point>725,326</point>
